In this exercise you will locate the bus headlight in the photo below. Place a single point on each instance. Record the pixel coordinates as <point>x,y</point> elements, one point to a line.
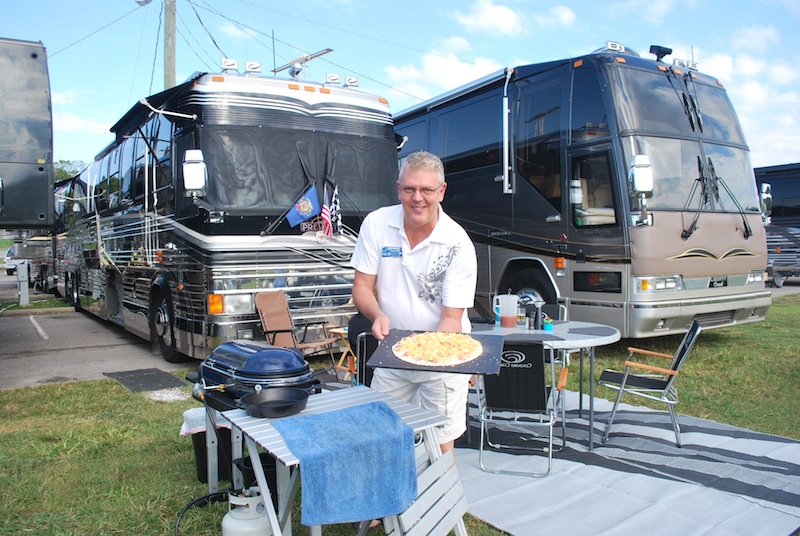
<point>756,276</point>
<point>658,284</point>
<point>230,304</point>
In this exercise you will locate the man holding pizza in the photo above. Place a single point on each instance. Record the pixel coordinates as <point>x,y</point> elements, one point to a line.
<point>416,269</point>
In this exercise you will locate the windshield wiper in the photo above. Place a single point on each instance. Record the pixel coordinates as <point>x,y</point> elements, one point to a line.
<point>748,232</point>
<point>693,100</point>
<point>701,180</point>
<point>681,94</point>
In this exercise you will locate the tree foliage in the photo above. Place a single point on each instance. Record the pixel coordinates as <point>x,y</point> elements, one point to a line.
<point>65,169</point>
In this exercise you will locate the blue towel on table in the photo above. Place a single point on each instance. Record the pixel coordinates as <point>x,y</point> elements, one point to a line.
<point>355,464</point>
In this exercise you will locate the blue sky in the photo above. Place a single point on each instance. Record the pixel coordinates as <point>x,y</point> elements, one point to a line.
<point>106,54</point>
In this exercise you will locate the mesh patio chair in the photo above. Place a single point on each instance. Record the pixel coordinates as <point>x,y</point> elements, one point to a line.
<point>280,330</point>
<point>656,383</point>
<point>518,402</point>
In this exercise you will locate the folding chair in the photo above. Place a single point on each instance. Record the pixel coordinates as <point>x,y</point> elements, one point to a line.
<point>280,329</point>
<point>657,384</point>
<point>518,401</point>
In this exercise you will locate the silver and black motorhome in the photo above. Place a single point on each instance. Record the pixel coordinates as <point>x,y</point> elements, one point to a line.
<point>26,137</point>
<point>616,184</point>
<point>177,224</point>
<point>782,184</point>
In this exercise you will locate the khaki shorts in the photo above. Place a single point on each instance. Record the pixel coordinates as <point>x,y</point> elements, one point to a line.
<point>444,393</point>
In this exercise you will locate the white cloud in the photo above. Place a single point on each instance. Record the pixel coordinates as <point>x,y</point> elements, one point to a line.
<point>61,98</point>
<point>782,73</point>
<point>557,15</point>
<point>485,16</point>
<point>71,122</point>
<point>755,38</point>
<point>440,71</point>
<point>77,138</point>
<point>718,65</point>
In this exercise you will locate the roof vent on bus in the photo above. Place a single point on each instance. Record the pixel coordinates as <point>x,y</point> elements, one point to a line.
<point>686,64</point>
<point>229,66</point>
<point>252,67</point>
<point>619,48</point>
<point>332,79</point>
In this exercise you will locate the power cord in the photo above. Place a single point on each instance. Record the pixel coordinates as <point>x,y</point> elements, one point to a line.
<point>215,496</point>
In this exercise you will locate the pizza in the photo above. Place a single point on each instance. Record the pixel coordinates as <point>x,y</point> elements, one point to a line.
<point>437,348</point>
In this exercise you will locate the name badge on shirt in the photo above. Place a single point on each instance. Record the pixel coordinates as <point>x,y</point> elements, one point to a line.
<point>388,251</point>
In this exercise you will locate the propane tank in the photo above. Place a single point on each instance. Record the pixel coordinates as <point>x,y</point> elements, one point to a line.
<point>246,514</point>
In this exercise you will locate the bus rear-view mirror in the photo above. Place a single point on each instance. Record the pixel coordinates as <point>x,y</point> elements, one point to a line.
<point>640,175</point>
<point>766,199</point>
<point>195,173</point>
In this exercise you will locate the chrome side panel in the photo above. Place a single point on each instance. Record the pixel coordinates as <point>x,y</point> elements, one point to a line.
<point>118,283</point>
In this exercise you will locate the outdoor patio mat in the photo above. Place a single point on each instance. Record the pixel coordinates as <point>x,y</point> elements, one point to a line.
<point>150,379</point>
<point>724,480</point>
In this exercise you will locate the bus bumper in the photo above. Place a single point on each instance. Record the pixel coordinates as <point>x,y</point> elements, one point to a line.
<point>673,317</point>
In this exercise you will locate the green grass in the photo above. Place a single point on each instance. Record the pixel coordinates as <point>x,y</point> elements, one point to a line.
<point>746,375</point>
<point>35,303</point>
<point>91,458</point>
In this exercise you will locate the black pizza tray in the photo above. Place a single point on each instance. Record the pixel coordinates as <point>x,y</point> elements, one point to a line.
<point>486,363</point>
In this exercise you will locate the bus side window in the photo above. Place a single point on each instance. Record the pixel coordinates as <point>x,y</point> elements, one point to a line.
<point>537,132</point>
<point>592,174</point>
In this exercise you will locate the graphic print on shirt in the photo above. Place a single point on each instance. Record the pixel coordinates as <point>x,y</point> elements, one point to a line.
<point>430,284</point>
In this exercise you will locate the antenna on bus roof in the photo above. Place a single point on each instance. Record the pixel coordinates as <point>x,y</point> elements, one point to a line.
<point>298,65</point>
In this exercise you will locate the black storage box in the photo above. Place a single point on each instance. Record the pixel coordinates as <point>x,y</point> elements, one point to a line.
<point>245,465</point>
<point>223,455</point>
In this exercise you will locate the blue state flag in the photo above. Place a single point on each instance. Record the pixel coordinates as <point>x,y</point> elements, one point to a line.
<point>305,207</point>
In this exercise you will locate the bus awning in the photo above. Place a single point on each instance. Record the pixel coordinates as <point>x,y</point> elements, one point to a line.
<point>137,115</point>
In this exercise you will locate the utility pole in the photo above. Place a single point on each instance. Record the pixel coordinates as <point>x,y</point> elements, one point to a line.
<point>169,40</point>
<point>169,44</point>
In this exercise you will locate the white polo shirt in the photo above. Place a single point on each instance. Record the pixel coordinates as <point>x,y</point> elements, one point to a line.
<point>413,285</point>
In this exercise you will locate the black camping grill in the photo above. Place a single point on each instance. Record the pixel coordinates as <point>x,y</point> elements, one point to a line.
<point>237,368</point>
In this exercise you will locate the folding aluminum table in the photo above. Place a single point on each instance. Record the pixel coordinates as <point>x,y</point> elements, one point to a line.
<point>259,432</point>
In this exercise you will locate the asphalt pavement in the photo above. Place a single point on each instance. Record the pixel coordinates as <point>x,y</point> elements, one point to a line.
<point>38,347</point>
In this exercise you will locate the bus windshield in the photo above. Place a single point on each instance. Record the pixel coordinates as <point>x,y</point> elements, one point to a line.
<point>667,112</point>
<point>680,145</point>
<point>264,169</point>
<point>676,170</point>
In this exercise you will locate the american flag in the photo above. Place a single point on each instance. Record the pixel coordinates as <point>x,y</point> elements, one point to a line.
<point>327,226</point>
<point>336,212</point>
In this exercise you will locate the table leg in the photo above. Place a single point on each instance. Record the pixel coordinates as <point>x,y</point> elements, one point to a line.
<point>212,469</point>
<point>580,384</point>
<point>236,453</point>
<point>590,351</point>
<point>263,487</point>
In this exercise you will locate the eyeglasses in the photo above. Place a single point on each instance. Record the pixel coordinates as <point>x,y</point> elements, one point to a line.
<point>426,192</point>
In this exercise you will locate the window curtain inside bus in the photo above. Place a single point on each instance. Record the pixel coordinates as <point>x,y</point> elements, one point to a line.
<point>259,170</point>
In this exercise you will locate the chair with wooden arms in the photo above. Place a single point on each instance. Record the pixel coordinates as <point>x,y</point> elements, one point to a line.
<point>280,329</point>
<point>656,383</point>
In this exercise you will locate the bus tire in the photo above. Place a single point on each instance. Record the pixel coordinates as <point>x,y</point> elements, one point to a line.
<point>162,326</point>
<point>532,281</point>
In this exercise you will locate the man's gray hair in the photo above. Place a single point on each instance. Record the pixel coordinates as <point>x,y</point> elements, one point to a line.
<point>424,160</point>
